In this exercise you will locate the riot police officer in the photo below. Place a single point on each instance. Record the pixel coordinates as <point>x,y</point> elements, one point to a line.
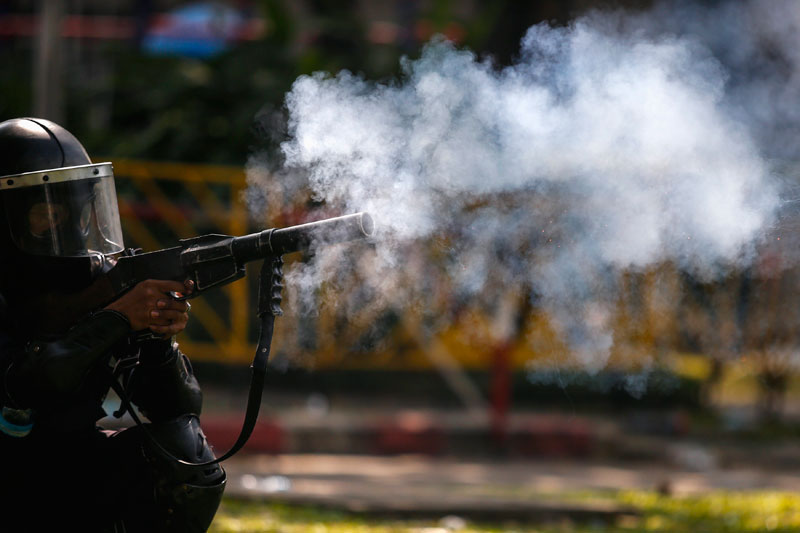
<point>65,339</point>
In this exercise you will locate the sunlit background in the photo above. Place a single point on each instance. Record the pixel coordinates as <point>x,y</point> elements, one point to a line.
<point>454,380</point>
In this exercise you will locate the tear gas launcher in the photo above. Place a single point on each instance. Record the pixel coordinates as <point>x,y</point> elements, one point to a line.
<point>214,260</point>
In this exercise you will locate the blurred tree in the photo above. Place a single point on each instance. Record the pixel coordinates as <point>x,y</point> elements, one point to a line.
<point>123,103</point>
<point>178,108</point>
<point>15,80</point>
<point>337,39</point>
<point>512,21</point>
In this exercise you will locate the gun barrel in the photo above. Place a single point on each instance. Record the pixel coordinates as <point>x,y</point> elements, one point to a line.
<point>297,238</point>
<point>332,230</point>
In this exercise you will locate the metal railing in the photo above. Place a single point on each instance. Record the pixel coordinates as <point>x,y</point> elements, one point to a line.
<point>163,202</point>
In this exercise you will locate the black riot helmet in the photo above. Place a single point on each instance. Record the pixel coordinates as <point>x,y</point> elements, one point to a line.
<point>59,220</point>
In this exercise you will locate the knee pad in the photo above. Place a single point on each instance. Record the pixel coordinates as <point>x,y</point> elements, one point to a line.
<point>164,387</point>
<point>190,508</point>
<point>187,497</point>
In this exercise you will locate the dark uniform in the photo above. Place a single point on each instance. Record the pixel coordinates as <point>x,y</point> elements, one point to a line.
<point>61,349</point>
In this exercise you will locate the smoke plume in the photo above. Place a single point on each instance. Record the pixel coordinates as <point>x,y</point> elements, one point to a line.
<point>616,144</point>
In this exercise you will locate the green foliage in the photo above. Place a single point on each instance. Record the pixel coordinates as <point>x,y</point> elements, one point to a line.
<point>15,82</point>
<point>123,103</point>
<point>719,511</point>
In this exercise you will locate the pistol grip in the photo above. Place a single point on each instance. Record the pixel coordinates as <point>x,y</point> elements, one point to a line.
<point>270,287</point>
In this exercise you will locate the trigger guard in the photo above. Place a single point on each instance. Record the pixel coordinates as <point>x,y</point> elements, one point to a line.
<point>174,295</point>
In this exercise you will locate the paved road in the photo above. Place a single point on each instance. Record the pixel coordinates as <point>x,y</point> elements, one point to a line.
<point>417,485</point>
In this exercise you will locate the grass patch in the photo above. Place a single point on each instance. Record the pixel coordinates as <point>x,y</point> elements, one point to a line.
<point>715,512</point>
<point>718,511</point>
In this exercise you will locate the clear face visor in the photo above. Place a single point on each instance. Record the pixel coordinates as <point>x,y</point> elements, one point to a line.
<point>66,212</point>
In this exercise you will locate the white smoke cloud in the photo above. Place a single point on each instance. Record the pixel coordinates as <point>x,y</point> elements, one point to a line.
<point>616,143</point>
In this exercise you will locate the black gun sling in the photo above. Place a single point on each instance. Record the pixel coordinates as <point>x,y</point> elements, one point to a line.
<point>269,298</point>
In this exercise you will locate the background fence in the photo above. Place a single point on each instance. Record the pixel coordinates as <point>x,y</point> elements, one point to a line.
<point>161,203</point>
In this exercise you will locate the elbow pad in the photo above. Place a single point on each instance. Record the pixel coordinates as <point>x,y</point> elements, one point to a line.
<point>54,368</point>
<point>163,385</point>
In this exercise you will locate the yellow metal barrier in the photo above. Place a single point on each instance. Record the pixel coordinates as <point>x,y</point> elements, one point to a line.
<point>153,218</point>
<point>163,202</point>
